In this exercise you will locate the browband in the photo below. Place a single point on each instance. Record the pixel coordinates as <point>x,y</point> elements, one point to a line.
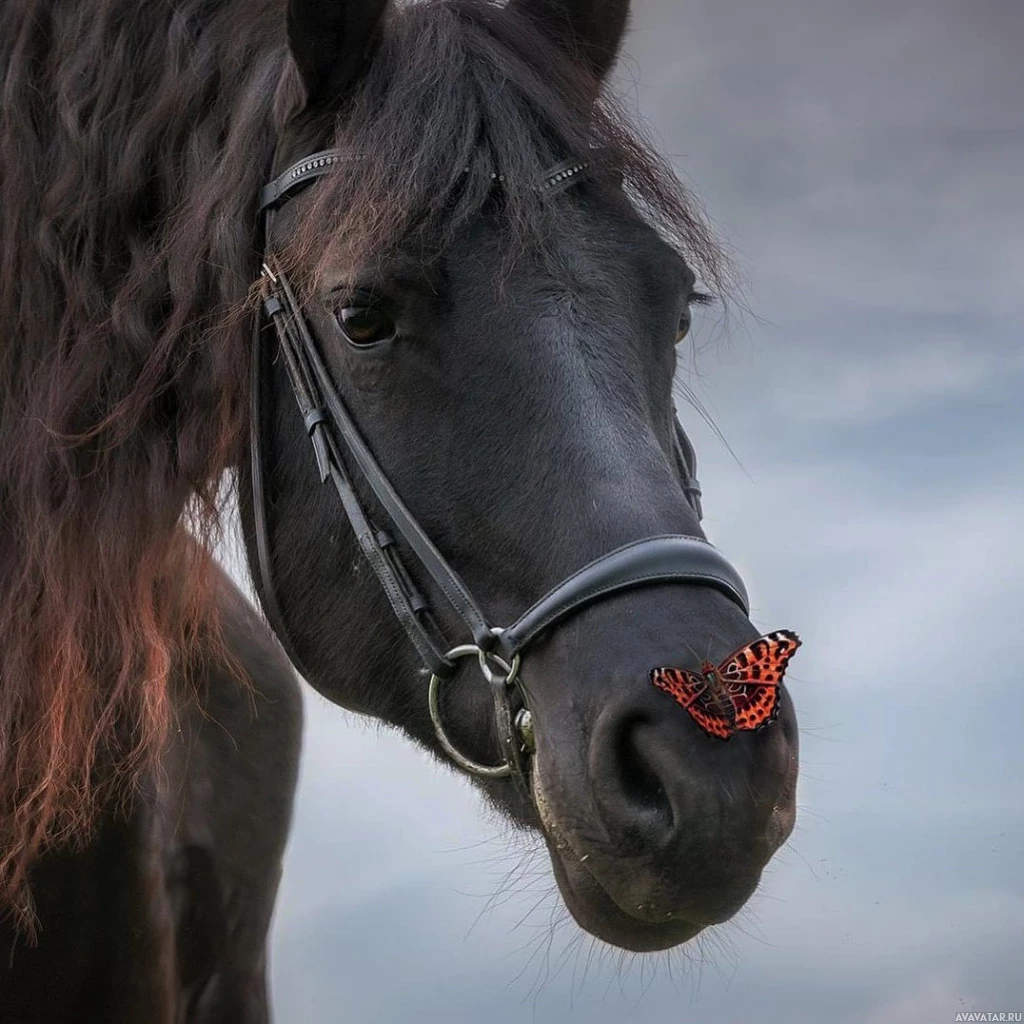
<point>310,168</point>
<point>299,174</point>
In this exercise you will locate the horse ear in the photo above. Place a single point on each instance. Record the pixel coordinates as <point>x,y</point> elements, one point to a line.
<point>590,30</point>
<point>331,42</point>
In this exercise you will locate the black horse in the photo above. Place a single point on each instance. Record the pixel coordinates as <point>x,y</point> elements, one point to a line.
<point>472,274</point>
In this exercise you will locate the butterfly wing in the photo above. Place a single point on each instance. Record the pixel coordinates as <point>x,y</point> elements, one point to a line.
<point>752,676</point>
<point>762,663</point>
<point>715,717</point>
<point>755,706</point>
<point>692,692</point>
<point>685,687</point>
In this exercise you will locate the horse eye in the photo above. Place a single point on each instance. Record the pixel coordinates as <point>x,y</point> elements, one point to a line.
<point>684,325</point>
<point>365,325</point>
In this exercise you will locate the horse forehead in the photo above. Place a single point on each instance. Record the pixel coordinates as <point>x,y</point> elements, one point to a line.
<point>616,243</point>
<point>588,240</point>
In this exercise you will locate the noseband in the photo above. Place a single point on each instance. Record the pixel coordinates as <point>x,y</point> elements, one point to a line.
<point>340,449</point>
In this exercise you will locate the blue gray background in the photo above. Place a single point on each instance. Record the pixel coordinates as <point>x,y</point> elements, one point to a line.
<point>864,161</point>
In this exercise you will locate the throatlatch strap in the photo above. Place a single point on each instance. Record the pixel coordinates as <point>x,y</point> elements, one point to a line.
<point>265,583</point>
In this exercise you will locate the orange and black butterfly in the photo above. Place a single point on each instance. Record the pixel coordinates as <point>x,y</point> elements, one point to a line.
<point>741,694</point>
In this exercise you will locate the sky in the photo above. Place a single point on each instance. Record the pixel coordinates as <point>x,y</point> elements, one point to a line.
<point>863,161</point>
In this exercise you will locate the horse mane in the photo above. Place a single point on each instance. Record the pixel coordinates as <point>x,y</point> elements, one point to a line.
<point>459,91</point>
<point>134,135</point>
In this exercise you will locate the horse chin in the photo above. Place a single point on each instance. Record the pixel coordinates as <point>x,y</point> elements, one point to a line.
<point>592,906</point>
<point>595,911</point>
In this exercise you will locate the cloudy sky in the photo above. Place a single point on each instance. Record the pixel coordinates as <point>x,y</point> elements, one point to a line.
<point>864,160</point>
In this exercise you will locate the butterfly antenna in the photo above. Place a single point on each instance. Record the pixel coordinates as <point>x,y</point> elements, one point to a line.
<point>707,655</point>
<point>692,651</point>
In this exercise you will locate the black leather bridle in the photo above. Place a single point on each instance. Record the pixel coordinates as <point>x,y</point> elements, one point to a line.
<point>340,449</point>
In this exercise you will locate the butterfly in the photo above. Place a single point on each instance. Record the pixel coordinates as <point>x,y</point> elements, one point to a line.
<point>741,694</point>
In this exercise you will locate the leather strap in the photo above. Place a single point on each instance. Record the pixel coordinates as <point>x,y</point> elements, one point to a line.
<point>687,459</point>
<point>265,580</point>
<point>667,559</point>
<point>449,582</point>
<point>306,170</point>
<point>378,547</point>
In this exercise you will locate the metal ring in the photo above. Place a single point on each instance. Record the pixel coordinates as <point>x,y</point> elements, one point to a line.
<point>485,657</point>
<point>497,771</point>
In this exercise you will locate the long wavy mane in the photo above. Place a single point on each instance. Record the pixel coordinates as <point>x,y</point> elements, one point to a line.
<point>133,137</point>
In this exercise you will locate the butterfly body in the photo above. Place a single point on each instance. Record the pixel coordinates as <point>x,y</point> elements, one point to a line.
<point>741,694</point>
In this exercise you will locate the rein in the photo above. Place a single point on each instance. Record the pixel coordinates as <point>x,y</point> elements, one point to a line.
<point>339,448</point>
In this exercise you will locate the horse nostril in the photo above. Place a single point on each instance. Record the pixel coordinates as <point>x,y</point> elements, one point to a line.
<point>636,777</point>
